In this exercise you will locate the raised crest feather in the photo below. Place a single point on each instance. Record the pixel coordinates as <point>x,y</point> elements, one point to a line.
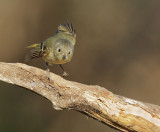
<point>68,28</point>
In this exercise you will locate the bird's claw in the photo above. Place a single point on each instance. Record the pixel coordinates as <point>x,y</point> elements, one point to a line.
<point>65,74</point>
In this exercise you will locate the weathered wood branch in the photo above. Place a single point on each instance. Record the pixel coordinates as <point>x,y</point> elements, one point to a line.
<point>119,112</point>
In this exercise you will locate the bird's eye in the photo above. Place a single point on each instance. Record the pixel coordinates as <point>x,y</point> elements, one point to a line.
<point>59,50</point>
<point>69,52</point>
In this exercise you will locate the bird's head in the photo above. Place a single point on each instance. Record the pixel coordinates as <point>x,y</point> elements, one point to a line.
<point>63,51</point>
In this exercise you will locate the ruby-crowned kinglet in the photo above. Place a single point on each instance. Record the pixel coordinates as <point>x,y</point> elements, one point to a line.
<point>57,49</point>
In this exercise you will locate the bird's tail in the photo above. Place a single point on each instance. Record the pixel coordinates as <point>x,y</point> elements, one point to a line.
<point>36,52</point>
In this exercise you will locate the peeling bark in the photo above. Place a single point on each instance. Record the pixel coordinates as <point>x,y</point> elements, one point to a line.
<point>117,111</point>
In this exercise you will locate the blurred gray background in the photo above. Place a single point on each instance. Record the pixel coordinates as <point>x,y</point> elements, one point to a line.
<point>118,47</point>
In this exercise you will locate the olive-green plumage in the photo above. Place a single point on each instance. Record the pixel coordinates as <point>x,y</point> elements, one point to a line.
<point>58,49</point>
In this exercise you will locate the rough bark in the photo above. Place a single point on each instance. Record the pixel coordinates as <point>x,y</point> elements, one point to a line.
<point>117,111</point>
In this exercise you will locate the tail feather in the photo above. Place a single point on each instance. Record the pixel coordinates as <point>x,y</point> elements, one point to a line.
<point>34,46</point>
<point>36,52</point>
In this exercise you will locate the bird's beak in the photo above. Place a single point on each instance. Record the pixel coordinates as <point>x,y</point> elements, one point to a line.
<point>63,57</point>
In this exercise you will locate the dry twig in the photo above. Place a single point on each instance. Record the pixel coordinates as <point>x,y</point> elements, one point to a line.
<point>119,112</point>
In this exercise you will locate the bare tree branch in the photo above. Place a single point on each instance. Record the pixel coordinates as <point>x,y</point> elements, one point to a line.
<point>119,112</point>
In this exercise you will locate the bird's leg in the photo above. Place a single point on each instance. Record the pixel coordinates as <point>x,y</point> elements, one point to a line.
<point>48,71</point>
<point>64,73</point>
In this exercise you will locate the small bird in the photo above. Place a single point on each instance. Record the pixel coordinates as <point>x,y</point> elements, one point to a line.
<point>57,49</point>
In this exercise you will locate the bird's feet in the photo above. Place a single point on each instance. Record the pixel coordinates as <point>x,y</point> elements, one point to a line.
<point>65,74</point>
<point>48,74</point>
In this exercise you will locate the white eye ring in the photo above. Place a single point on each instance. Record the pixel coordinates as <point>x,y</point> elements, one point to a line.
<point>59,50</point>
